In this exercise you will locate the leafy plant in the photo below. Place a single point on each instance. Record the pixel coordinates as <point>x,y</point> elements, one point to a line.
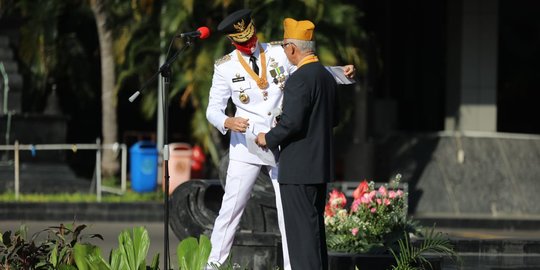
<point>55,252</point>
<point>409,257</point>
<point>64,249</point>
<point>18,253</point>
<point>62,240</point>
<point>130,254</point>
<point>193,255</point>
<point>134,249</point>
<point>88,257</point>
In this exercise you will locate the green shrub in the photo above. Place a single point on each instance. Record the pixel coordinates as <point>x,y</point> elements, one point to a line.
<point>193,255</point>
<point>65,249</point>
<point>56,252</point>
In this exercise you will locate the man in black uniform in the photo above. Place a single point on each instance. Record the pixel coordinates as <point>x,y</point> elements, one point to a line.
<point>305,139</point>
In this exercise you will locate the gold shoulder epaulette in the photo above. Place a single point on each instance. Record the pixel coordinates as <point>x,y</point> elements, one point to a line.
<point>223,59</point>
<point>275,42</point>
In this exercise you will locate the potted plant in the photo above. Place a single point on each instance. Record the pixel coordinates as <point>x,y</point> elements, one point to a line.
<point>370,231</point>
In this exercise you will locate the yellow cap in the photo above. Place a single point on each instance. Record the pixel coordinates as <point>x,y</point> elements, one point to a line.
<point>302,30</point>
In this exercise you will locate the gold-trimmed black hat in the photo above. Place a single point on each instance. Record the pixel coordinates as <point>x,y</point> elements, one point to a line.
<point>239,26</point>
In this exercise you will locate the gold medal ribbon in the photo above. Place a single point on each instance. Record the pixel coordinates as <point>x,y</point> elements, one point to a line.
<point>308,59</point>
<point>262,83</point>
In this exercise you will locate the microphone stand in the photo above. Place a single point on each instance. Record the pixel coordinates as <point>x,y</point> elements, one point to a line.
<point>165,71</point>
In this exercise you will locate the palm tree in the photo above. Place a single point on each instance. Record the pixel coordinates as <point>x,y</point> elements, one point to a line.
<point>38,43</point>
<point>129,43</point>
<point>129,46</point>
<point>116,24</point>
<point>108,80</point>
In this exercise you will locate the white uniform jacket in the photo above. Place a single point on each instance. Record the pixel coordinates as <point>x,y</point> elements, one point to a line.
<point>231,79</point>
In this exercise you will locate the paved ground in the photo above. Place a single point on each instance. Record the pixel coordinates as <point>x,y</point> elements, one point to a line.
<point>110,232</point>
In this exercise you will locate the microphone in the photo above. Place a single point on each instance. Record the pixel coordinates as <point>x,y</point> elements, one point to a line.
<point>202,33</point>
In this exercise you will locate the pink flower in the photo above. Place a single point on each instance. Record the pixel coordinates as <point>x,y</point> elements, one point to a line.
<point>392,194</point>
<point>354,231</point>
<point>373,210</point>
<point>399,193</point>
<point>355,204</point>
<point>383,191</point>
<point>386,201</point>
<point>365,199</point>
<point>372,194</point>
<point>379,201</point>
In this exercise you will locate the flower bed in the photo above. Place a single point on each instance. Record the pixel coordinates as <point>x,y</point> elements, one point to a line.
<point>372,223</point>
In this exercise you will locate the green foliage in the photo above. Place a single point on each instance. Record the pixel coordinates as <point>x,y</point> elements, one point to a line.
<point>56,252</point>
<point>129,196</point>
<point>63,240</point>
<point>88,257</point>
<point>142,31</point>
<point>130,254</point>
<point>18,253</point>
<point>193,255</point>
<point>338,39</point>
<point>410,257</point>
<point>133,248</point>
<point>39,35</point>
<point>47,48</point>
<point>65,249</point>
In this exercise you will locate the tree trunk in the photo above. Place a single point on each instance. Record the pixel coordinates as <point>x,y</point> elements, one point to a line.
<point>109,162</point>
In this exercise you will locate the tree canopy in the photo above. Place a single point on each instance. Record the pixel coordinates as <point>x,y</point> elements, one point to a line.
<point>59,46</point>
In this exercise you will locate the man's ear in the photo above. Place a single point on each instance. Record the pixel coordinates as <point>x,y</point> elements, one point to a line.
<point>294,49</point>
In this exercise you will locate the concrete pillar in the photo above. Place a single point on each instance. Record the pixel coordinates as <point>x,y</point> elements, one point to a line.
<point>359,153</point>
<point>471,97</point>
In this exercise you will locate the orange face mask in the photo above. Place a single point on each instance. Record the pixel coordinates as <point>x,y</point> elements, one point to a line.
<point>247,47</point>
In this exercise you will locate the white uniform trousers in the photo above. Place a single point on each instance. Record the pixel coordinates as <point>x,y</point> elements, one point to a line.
<point>241,177</point>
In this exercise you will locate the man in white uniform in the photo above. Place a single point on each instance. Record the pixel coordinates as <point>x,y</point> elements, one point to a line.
<point>253,76</point>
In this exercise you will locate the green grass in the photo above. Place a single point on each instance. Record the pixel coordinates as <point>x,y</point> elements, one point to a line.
<point>129,196</point>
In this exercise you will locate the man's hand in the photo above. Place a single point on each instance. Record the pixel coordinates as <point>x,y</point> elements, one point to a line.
<point>349,71</point>
<point>261,140</point>
<point>237,124</point>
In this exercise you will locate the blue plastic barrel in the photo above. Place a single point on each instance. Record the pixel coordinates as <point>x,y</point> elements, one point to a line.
<point>143,168</point>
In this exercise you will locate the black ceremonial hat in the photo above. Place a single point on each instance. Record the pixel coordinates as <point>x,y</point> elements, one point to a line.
<point>239,25</point>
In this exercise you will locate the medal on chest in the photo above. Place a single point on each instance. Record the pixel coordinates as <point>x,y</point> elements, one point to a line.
<point>261,81</point>
<point>278,73</point>
<point>243,97</point>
